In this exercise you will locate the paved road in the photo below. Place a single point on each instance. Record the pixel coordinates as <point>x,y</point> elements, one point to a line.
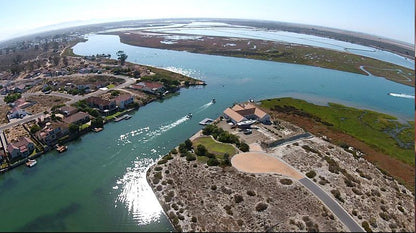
<point>332,205</point>
<point>20,121</point>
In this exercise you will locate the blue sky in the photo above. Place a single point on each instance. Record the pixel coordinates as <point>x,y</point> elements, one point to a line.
<point>387,18</point>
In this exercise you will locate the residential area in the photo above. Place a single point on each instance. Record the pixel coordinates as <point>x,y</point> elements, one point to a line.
<point>66,96</point>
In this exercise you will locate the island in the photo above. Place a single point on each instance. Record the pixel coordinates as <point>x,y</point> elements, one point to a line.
<point>251,170</point>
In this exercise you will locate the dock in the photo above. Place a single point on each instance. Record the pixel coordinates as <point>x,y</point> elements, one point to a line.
<point>206,121</point>
<point>124,117</point>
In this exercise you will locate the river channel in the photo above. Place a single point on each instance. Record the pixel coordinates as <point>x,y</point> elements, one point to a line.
<point>99,183</point>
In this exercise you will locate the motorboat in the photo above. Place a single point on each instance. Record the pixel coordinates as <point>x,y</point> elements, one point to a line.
<point>31,162</point>
<point>189,115</point>
<point>213,101</point>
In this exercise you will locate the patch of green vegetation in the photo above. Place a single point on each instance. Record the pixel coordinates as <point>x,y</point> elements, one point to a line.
<point>111,86</point>
<point>365,125</point>
<point>216,148</point>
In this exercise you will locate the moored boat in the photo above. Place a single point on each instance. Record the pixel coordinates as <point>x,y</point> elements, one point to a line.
<point>31,162</point>
<point>61,148</point>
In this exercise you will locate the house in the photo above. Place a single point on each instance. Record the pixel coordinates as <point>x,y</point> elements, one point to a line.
<point>68,110</point>
<point>244,112</point>
<point>52,132</point>
<point>16,112</point>
<point>152,87</point>
<point>123,100</point>
<point>42,120</point>
<point>105,106</point>
<point>22,147</point>
<point>77,118</point>
<point>21,103</point>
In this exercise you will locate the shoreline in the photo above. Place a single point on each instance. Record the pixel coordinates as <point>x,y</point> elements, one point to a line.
<point>274,51</point>
<point>176,183</point>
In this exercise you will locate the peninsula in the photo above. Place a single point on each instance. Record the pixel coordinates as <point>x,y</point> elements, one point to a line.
<point>236,175</point>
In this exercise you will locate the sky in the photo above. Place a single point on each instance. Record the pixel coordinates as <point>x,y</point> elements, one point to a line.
<point>394,19</point>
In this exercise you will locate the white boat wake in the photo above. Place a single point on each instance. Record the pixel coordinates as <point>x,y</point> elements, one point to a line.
<point>203,107</point>
<point>401,95</point>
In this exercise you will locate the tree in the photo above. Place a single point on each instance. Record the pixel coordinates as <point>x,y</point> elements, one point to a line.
<point>244,147</point>
<point>213,162</point>
<point>201,150</point>
<point>182,148</point>
<point>97,122</point>
<point>188,144</point>
<point>226,161</point>
<point>12,97</point>
<point>121,56</point>
<point>35,128</point>
<point>73,128</point>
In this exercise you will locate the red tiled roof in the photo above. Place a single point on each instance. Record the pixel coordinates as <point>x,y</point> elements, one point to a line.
<point>122,97</point>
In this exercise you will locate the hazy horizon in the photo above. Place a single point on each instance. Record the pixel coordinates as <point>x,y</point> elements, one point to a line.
<point>383,18</point>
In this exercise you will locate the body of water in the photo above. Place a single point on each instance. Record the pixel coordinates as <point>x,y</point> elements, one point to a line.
<point>99,183</point>
<point>226,30</point>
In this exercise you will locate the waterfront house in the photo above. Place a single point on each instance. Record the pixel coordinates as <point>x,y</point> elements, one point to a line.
<point>152,87</point>
<point>52,132</point>
<point>68,110</point>
<point>105,106</point>
<point>77,118</point>
<point>243,112</point>
<point>123,100</point>
<point>22,147</point>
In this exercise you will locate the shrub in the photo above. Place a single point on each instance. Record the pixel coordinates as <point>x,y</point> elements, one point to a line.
<point>251,193</point>
<point>400,208</point>
<point>226,161</point>
<point>337,194</point>
<point>286,181</point>
<point>193,219</point>
<point>384,216</point>
<point>158,168</point>
<point>182,148</point>
<point>190,157</point>
<point>261,207</point>
<point>162,161</point>
<point>311,174</point>
<point>174,151</point>
<point>366,226</point>
<point>201,150</point>
<point>188,144</point>
<point>238,198</point>
<point>213,162</point>
<point>244,147</point>
<point>213,187</point>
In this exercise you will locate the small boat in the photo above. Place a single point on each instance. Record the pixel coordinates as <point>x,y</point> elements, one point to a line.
<point>31,162</point>
<point>189,116</point>
<point>127,116</point>
<point>61,148</point>
<point>213,101</point>
<point>98,129</point>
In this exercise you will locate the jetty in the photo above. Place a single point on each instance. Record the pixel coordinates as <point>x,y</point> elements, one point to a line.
<point>61,148</point>
<point>206,121</point>
<point>124,117</point>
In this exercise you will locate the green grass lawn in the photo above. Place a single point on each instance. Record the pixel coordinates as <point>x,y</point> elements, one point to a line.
<point>219,149</point>
<point>368,126</point>
<point>111,86</point>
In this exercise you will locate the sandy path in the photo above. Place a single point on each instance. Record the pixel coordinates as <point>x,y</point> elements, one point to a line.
<point>258,162</point>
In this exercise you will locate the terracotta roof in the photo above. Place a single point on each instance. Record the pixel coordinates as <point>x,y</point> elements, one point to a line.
<point>233,115</point>
<point>237,107</point>
<point>152,85</point>
<point>21,144</point>
<point>122,97</point>
<point>98,101</point>
<point>75,117</point>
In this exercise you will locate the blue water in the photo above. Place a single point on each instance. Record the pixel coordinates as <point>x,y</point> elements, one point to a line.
<point>247,78</point>
<point>287,37</point>
<point>99,183</point>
